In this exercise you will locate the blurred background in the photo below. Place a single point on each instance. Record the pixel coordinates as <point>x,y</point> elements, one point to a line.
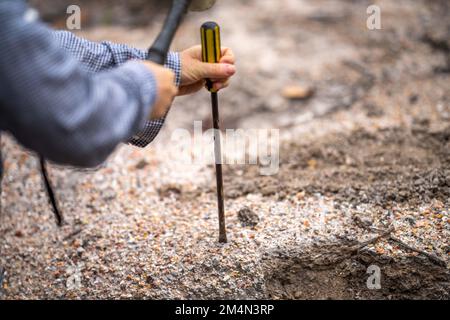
<point>297,59</point>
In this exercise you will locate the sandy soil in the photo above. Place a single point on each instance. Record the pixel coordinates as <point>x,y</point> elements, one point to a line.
<point>367,153</point>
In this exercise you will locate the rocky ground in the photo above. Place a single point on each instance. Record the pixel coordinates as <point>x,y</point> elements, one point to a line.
<point>364,176</point>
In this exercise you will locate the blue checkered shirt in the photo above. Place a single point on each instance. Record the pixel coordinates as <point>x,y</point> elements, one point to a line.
<point>97,57</point>
<point>69,99</point>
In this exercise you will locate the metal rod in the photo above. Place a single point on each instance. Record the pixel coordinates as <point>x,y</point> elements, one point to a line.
<point>218,159</point>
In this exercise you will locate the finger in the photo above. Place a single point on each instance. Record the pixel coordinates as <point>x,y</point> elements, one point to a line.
<point>221,85</point>
<point>197,86</point>
<point>216,70</point>
<point>196,52</point>
<point>227,56</point>
<point>185,90</point>
<point>220,80</point>
<point>227,52</point>
<point>227,60</point>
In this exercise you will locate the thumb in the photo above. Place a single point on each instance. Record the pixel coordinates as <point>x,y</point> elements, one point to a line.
<point>216,70</point>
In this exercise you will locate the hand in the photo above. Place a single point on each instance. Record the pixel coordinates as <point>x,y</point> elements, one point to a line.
<point>194,71</point>
<point>167,90</point>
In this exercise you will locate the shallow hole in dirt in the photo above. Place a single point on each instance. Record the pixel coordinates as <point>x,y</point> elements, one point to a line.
<point>324,275</point>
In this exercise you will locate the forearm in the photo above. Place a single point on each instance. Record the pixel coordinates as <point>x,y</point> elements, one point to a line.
<point>152,128</point>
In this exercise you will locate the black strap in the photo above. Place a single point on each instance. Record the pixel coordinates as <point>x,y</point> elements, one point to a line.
<point>50,192</point>
<point>48,187</point>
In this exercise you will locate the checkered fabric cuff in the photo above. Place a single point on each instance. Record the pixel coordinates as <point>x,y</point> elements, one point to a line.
<point>152,128</point>
<point>173,62</point>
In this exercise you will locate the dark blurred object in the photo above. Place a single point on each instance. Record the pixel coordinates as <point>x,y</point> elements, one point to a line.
<point>247,217</point>
<point>102,12</point>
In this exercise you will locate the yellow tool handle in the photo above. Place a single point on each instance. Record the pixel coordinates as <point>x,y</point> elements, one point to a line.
<point>211,48</point>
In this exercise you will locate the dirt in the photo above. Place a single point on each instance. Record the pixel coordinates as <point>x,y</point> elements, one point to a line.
<point>383,168</point>
<point>309,278</point>
<point>366,151</point>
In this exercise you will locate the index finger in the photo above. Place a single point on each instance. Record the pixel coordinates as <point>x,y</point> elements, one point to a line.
<point>227,56</point>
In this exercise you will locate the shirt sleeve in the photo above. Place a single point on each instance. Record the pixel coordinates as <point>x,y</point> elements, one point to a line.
<point>152,128</point>
<point>105,55</point>
<point>54,106</point>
